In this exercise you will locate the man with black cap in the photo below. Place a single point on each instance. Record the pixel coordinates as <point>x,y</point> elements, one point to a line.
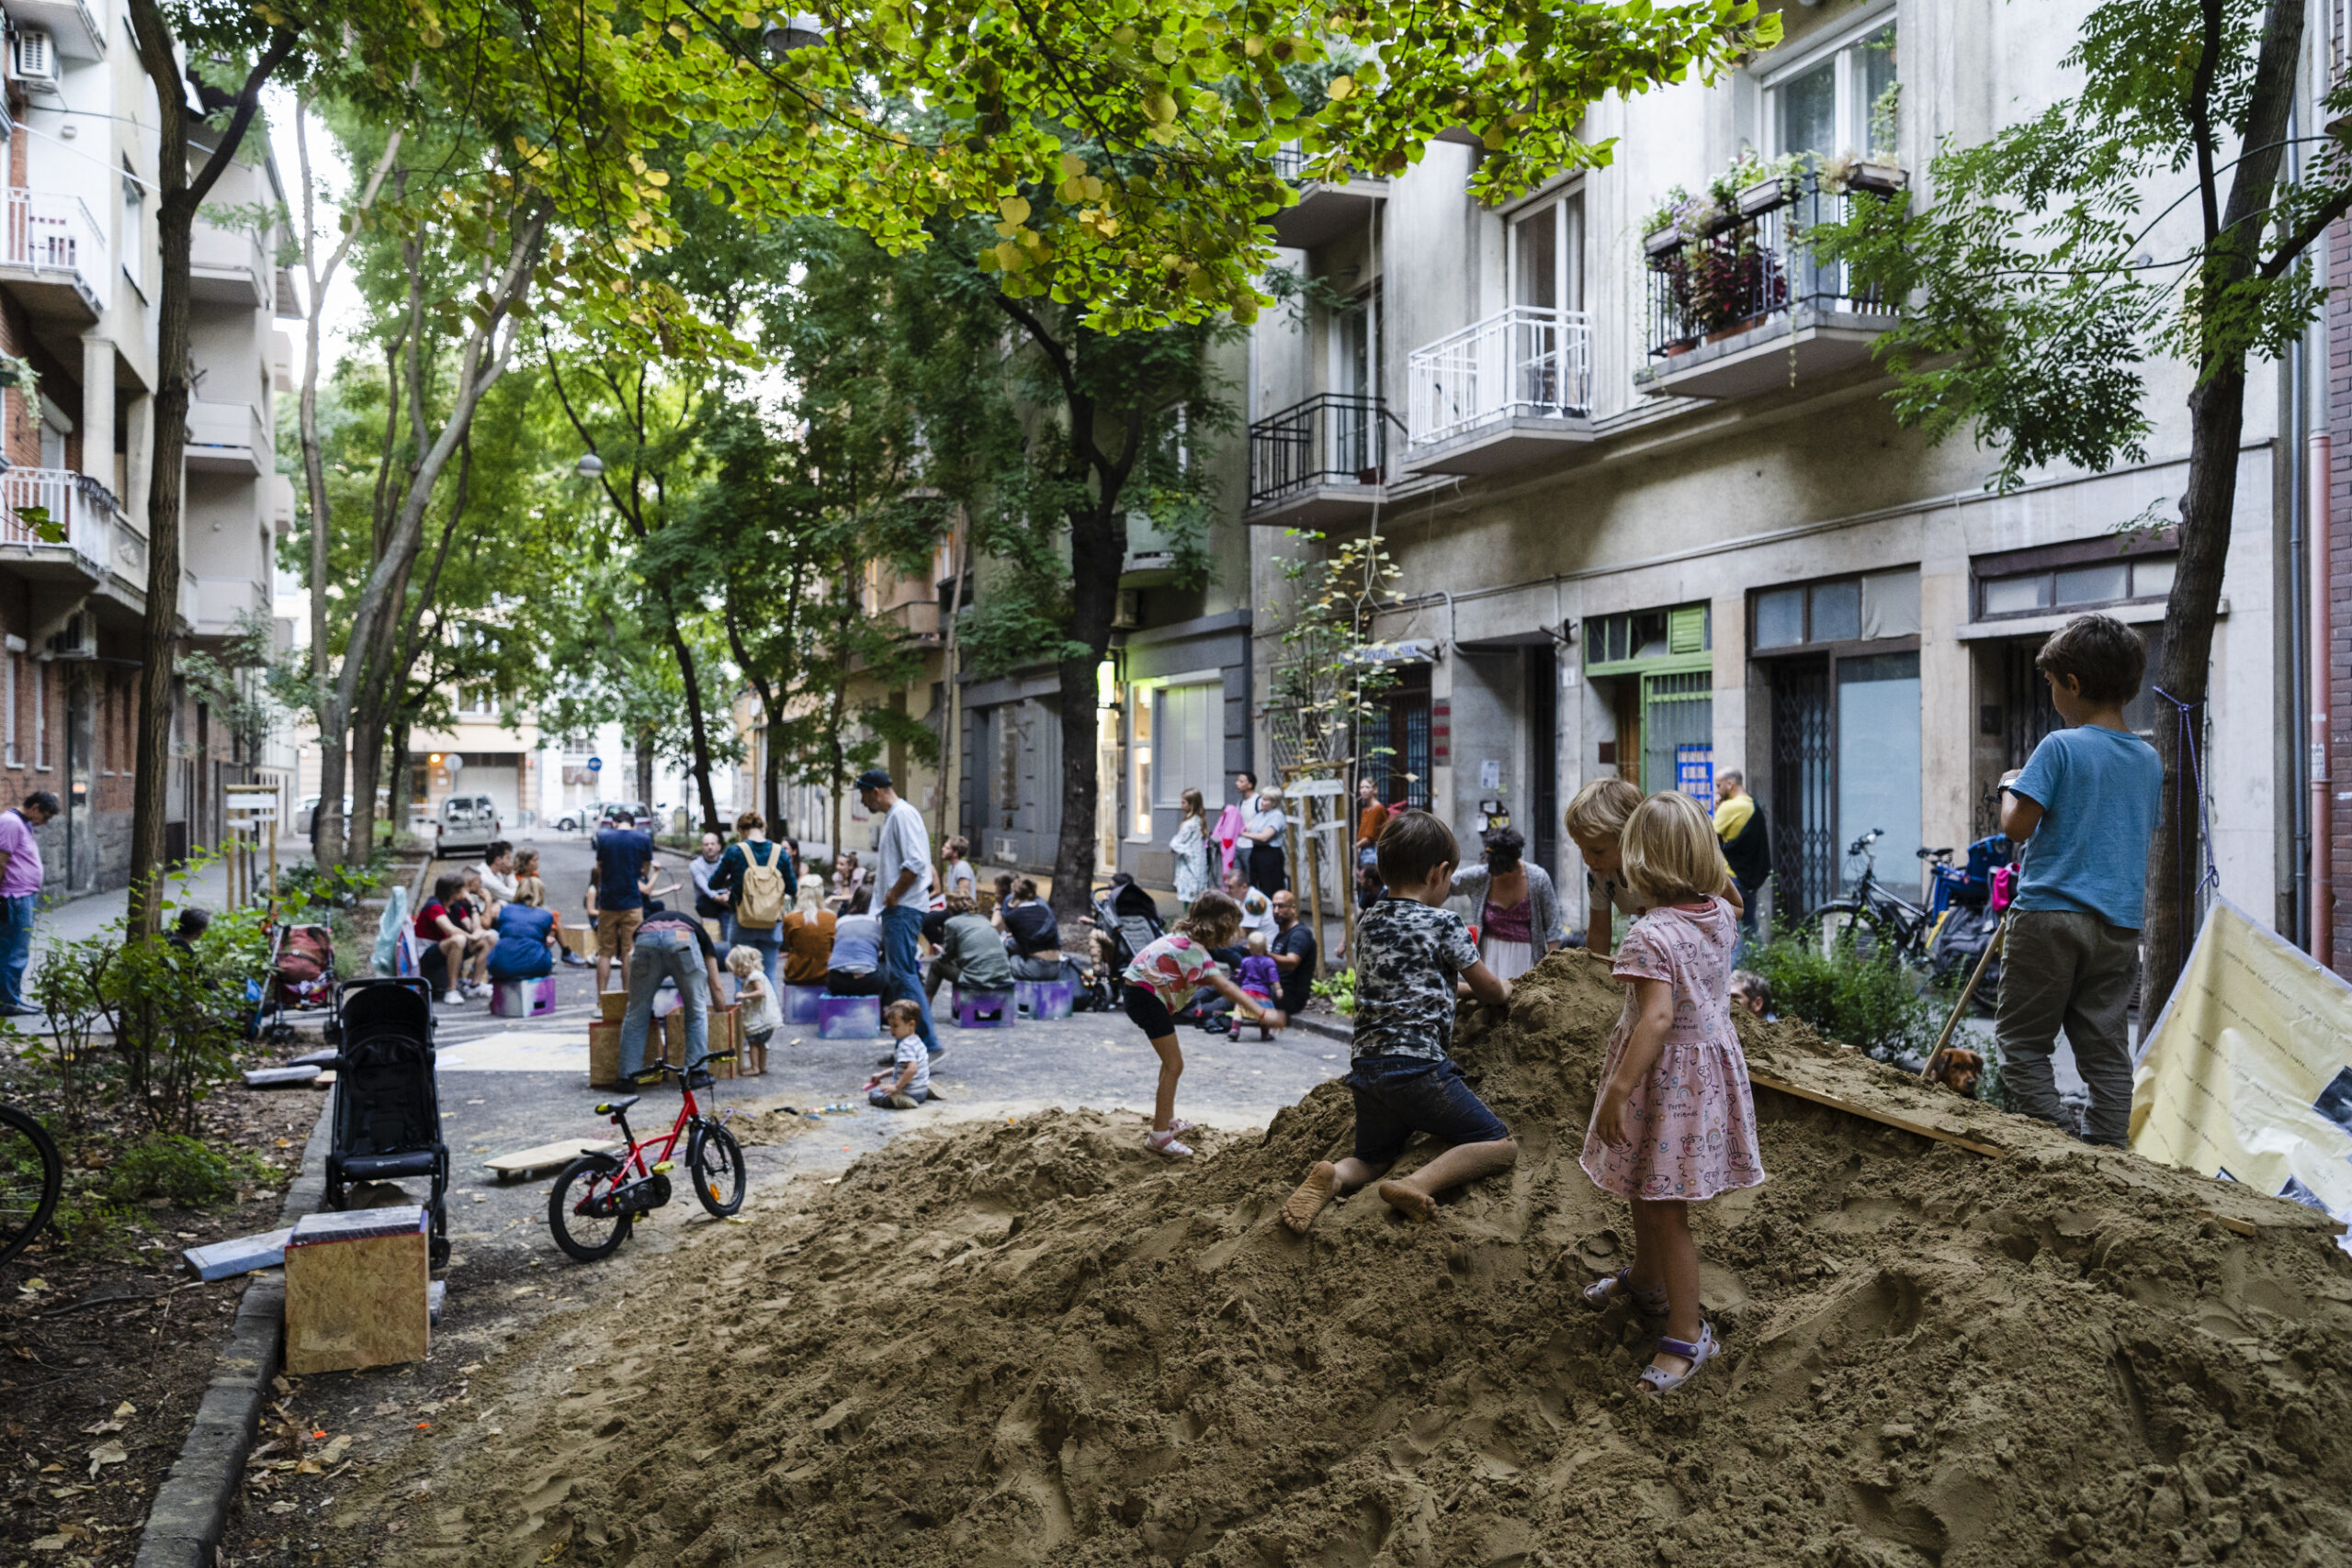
<point>902,881</point>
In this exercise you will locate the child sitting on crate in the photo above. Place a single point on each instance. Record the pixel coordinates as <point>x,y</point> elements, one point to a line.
<point>2084,808</point>
<point>753,996</point>
<point>909,1085</point>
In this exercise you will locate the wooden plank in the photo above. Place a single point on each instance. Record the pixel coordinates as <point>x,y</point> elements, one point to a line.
<point>1871,1114</point>
<point>545,1156</point>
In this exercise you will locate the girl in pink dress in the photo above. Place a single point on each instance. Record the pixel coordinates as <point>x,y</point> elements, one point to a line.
<point>1673,1123</point>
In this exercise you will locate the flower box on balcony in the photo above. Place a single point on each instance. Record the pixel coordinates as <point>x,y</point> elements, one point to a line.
<point>1658,242</point>
<point>1882,179</point>
<point>1763,197</point>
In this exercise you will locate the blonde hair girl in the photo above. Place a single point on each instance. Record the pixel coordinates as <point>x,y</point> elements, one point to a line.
<point>1162,979</point>
<point>1596,821</point>
<point>1668,852</point>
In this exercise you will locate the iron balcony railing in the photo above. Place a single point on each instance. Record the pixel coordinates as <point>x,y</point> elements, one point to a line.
<point>1331,438</point>
<point>1529,360</point>
<point>55,234</point>
<point>76,502</point>
<point>1749,265</point>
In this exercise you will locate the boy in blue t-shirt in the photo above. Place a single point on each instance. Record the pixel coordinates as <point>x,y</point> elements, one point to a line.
<point>2084,808</point>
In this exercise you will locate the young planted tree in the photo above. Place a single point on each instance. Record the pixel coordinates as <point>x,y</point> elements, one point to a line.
<point>2143,219</point>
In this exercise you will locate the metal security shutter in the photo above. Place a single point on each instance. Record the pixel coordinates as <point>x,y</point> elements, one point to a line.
<point>1804,855</point>
<point>1678,734</point>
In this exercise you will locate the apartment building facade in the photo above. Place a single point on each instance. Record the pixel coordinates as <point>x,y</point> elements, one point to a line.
<point>1654,519</point>
<point>79,288</point>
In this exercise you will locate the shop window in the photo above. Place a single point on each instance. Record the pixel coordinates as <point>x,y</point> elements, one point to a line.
<point>1845,609</point>
<point>2106,579</point>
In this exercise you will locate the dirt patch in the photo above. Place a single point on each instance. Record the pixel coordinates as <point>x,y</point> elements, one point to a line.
<point>1034,1343</point>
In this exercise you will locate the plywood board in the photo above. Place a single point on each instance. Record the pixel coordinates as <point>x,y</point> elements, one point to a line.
<point>546,1157</point>
<point>1925,1129</point>
<point>357,1303</point>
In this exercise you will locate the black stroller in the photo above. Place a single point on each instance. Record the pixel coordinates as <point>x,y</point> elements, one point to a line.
<point>386,1103</point>
<point>1130,918</point>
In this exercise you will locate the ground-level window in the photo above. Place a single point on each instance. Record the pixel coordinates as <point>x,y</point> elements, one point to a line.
<point>1393,747</point>
<point>1187,744</point>
<point>1656,669</point>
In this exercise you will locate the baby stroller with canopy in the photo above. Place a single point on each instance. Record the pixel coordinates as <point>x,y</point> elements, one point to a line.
<point>1129,919</point>
<point>387,1123</point>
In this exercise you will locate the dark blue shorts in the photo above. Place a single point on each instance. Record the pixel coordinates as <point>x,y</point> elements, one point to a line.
<point>1400,1096</point>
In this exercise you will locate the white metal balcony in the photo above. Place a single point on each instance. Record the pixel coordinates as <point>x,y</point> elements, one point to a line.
<point>226,437</point>
<point>61,498</point>
<point>53,256</point>
<point>1500,392</point>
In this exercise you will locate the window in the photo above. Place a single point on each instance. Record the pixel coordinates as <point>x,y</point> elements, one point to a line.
<point>2105,578</point>
<point>129,245</point>
<point>1649,634</point>
<point>1547,256</point>
<point>1139,759</point>
<point>1845,609</point>
<point>56,427</point>
<point>1841,100</point>
<point>16,666</point>
<point>1191,742</point>
<point>40,719</point>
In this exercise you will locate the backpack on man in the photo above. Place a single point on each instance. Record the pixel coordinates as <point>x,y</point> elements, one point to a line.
<point>761,897</point>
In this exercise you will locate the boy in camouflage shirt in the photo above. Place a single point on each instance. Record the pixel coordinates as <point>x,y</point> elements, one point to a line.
<point>1409,950</point>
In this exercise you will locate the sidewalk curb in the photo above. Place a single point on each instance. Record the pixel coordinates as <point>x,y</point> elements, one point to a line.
<point>1329,1026</point>
<point>191,1508</point>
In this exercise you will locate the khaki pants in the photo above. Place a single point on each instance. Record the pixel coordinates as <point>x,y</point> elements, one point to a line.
<point>2061,967</point>
<point>616,930</point>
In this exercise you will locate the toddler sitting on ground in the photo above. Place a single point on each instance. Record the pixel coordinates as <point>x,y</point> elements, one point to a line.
<point>910,1084</point>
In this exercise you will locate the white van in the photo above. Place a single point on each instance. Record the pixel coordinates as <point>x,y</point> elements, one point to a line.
<point>468,824</point>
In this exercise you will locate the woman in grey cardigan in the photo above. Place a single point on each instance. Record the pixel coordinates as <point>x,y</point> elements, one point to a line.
<point>1512,904</point>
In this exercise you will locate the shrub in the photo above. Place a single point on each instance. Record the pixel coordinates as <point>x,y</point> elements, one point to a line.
<point>188,1173</point>
<point>1873,1004</point>
<point>1341,989</point>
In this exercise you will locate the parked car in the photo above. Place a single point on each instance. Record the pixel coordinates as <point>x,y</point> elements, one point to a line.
<point>309,811</point>
<point>467,824</point>
<point>624,814</point>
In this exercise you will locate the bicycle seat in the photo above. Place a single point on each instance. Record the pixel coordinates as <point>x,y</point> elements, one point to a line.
<point>1934,854</point>
<point>615,1106</point>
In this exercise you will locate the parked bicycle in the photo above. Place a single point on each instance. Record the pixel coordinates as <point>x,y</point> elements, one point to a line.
<point>599,1197</point>
<point>32,1175</point>
<point>1870,923</point>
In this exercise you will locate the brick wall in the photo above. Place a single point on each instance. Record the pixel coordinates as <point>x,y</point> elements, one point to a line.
<point>2338,824</point>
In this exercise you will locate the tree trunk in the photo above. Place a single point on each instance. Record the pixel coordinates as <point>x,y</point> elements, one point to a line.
<point>1098,548</point>
<point>645,771</point>
<point>951,768</point>
<point>697,731</point>
<point>2176,860</point>
<point>174,232</point>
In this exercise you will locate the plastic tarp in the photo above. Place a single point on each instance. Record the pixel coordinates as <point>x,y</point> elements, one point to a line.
<point>2247,1075</point>
<point>395,952</point>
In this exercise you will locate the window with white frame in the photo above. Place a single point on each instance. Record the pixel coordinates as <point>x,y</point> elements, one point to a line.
<point>130,244</point>
<point>1839,99</point>
<point>1547,255</point>
<point>1191,731</point>
<point>1139,765</point>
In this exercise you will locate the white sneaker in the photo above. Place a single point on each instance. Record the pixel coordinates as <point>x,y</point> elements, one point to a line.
<point>452,999</point>
<point>479,989</point>
<point>1166,1143</point>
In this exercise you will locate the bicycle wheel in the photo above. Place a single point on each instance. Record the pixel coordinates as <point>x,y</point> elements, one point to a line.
<point>585,1236</point>
<point>714,1161</point>
<point>1846,929</point>
<point>30,1175</point>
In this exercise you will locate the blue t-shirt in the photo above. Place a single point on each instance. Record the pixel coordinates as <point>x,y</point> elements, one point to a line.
<point>523,953</point>
<point>622,856</point>
<point>2097,789</point>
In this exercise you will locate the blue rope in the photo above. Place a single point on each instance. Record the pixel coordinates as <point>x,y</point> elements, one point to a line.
<point>2206,885</point>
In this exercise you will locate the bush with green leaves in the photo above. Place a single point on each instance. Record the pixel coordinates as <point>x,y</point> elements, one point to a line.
<point>183,1171</point>
<point>1873,1003</point>
<point>1341,989</point>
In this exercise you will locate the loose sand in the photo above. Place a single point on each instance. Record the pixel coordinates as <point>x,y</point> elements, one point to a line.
<point>1034,1343</point>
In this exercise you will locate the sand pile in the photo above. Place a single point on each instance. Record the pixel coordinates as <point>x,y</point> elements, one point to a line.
<point>1034,1343</point>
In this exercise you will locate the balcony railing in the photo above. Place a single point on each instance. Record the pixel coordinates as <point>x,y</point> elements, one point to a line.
<point>1527,361</point>
<point>83,506</point>
<point>1751,265</point>
<point>222,428</point>
<point>54,235</point>
<point>1332,438</point>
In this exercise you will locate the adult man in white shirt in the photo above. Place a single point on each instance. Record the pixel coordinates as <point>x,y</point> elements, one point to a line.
<point>497,870</point>
<point>903,890</point>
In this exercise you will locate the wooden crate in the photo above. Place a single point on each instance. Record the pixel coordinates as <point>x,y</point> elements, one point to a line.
<point>581,940</point>
<point>603,1055</point>
<point>356,1290</point>
<point>614,1005</point>
<point>725,1039</point>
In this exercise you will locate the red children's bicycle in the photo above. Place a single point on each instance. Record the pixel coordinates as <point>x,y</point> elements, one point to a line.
<point>597,1199</point>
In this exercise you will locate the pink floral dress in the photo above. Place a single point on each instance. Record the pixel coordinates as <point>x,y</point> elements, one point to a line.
<point>1693,1119</point>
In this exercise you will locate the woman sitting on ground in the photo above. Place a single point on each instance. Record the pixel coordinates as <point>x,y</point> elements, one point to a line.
<point>856,967</point>
<point>1512,904</point>
<point>1031,935</point>
<point>808,935</point>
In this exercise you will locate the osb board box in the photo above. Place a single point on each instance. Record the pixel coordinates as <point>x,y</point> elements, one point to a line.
<point>603,1055</point>
<point>614,1005</point>
<point>357,1290</point>
<point>581,940</point>
<point>726,1036</point>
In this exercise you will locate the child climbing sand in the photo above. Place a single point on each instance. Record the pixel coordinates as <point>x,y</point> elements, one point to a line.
<point>1409,951</point>
<point>1595,819</point>
<point>1673,1123</point>
<point>1165,974</point>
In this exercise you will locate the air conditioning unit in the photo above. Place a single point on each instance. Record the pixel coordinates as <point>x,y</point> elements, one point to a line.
<point>36,56</point>
<point>71,635</point>
<point>1127,614</point>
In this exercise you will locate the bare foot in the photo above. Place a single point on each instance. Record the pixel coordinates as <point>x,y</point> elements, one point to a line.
<point>1409,1201</point>
<point>1299,1211</point>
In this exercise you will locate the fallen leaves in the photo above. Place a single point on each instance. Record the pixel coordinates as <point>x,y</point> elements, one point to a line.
<point>111,1451</point>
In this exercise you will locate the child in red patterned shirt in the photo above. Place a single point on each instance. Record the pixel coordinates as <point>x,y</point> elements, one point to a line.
<point>1169,971</point>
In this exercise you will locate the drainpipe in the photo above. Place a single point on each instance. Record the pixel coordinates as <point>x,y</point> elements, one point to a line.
<point>2321,533</point>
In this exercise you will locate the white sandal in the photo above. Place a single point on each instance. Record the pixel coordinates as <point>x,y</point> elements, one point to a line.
<point>1657,1380</point>
<point>1648,1299</point>
<point>1166,1143</point>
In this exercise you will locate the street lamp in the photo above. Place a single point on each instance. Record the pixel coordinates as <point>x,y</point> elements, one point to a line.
<point>802,31</point>
<point>589,465</point>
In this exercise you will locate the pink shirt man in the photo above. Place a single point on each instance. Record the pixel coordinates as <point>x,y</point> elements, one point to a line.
<point>24,872</point>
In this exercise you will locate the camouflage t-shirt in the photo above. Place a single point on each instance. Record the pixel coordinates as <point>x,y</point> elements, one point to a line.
<point>1407,956</point>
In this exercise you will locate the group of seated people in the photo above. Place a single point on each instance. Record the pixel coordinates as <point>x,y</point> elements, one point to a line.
<point>1019,940</point>
<point>490,922</point>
